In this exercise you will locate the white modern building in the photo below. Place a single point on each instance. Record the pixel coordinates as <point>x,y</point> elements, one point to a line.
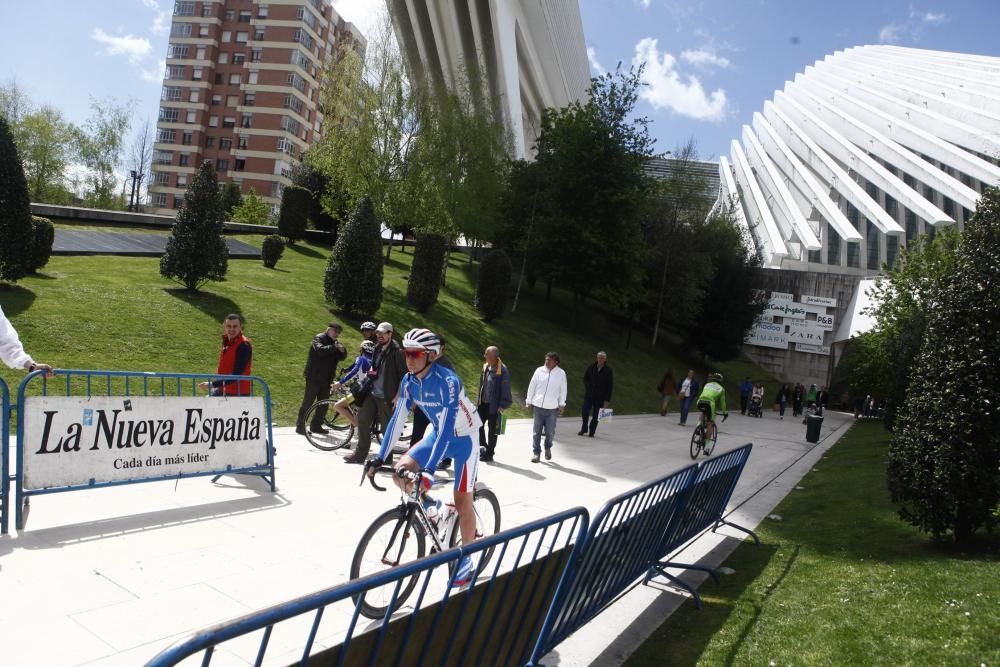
<point>864,151</point>
<point>531,51</point>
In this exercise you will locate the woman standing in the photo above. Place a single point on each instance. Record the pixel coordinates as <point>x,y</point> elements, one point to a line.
<point>667,389</point>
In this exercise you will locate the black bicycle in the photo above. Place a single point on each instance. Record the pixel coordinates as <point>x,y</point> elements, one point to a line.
<point>406,533</point>
<point>700,442</point>
<point>340,431</point>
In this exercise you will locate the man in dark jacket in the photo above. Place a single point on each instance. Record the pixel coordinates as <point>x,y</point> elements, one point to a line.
<point>597,384</point>
<point>388,369</point>
<point>321,365</point>
<point>494,398</point>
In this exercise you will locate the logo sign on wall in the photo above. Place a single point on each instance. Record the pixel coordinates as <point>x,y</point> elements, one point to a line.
<point>71,440</point>
<point>818,301</point>
<point>813,349</point>
<point>768,334</point>
<point>782,308</point>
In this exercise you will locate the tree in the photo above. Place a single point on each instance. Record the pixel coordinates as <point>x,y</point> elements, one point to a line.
<point>140,155</point>
<point>252,211</point>
<point>317,183</point>
<point>731,304</point>
<point>232,198</point>
<point>353,277</point>
<point>15,210</point>
<point>46,147</point>
<point>425,274</point>
<point>295,204</point>
<point>271,250</point>
<point>493,285</point>
<point>42,236</point>
<point>944,457</point>
<point>196,250</point>
<point>101,144</point>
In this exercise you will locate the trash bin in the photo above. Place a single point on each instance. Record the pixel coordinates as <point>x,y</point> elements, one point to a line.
<point>813,425</point>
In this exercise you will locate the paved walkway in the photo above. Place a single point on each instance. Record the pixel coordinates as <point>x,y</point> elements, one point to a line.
<point>87,242</point>
<point>112,576</point>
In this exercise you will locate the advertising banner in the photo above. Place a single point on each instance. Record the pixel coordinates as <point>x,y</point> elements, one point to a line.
<point>818,301</point>
<point>782,308</point>
<point>824,322</point>
<point>807,336</point>
<point>768,334</point>
<point>813,349</point>
<point>71,440</point>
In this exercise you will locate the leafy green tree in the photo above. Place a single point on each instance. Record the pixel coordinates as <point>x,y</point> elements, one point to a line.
<point>317,183</point>
<point>353,279</point>
<point>47,149</point>
<point>100,148</point>
<point>493,285</point>
<point>425,274</point>
<point>292,220</point>
<point>15,210</point>
<point>42,236</point>
<point>196,250</point>
<point>231,200</point>
<point>730,304</point>
<point>251,211</point>
<point>271,250</point>
<point>944,457</point>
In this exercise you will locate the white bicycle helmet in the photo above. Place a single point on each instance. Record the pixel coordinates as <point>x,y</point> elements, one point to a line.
<point>368,347</point>
<point>368,326</point>
<point>422,339</point>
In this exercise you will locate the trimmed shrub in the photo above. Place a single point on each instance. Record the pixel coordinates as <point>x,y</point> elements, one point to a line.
<point>271,250</point>
<point>15,210</point>
<point>292,220</point>
<point>231,198</point>
<point>493,286</point>
<point>196,250</point>
<point>425,275</point>
<point>252,210</point>
<point>944,457</point>
<point>42,236</point>
<point>353,279</point>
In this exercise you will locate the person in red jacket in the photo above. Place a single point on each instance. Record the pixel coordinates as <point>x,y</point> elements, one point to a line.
<point>235,359</point>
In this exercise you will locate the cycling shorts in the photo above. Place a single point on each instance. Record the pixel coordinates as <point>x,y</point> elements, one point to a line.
<point>460,449</point>
<point>708,407</point>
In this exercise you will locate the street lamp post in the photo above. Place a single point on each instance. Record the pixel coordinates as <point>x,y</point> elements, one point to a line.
<point>131,197</point>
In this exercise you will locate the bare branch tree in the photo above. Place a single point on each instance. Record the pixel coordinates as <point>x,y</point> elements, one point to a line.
<point>140,156</point>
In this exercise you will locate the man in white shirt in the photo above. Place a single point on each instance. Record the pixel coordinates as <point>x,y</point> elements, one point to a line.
<point>12,352</point>
<point>546,398</point>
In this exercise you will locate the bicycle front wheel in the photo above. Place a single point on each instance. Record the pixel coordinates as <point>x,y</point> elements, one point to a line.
<point>392,539</point>
<point>696,440</point>
<point>487,510</point>
<point>339,431</point>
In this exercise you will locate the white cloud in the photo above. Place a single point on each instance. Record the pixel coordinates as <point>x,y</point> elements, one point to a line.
<point>366,14</point>
<point>704,58</point>
<point>594,64</point>
<point>135,48</point>
<point>666,89</point>
<point>910,28</point>
<point>645,3</point>
<point>154,73</point>
<point>161,17</point>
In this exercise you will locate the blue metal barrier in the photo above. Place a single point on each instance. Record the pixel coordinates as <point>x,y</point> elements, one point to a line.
<point>493,622</point>
<point>624,539</point>
<point>130,384</point>
<point>704,505</point>
<point>5,456</point>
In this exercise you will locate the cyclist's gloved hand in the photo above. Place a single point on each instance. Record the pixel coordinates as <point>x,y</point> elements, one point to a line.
<point>374,462</point>
<point>725,416</point>
<point>426,480</point>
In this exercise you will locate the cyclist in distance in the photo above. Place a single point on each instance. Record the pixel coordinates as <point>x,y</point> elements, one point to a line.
<point>713,393</point>
<point>362,364</point>
<point>438,393</point>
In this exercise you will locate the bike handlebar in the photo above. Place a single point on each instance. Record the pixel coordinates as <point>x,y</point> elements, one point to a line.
<point>371,480</point>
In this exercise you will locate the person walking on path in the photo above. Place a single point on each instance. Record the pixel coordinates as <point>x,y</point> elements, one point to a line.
<point>667,389</point>
<point>797,395</point>
<point>782,400</point>
<point>546,398</point>
<point>324,354</point>
<point>746,388</point>
<point>494,398</point>
<point>388,369</point>
<point>12,351</point>
<point>236,358</point>
<point>687,391</point>
<point>598,381</point>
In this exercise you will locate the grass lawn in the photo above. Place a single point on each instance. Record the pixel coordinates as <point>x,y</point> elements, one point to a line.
<point>842,581</point>
<point>117,313</point>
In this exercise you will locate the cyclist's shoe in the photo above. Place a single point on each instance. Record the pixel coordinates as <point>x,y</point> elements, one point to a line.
<point>464,573</point>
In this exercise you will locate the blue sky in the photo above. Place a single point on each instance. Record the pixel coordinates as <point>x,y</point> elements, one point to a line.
<point>711,63</point>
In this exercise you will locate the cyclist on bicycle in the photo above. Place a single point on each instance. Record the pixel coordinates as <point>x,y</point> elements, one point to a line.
<point>438,393</point>
<point>355,393</point>
<point>712,393</point>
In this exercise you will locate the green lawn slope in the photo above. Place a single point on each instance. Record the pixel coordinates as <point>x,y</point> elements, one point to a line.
<point>103,312</point>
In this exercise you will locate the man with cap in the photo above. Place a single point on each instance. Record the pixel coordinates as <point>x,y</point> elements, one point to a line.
<point>388,369</point>
<point>321,365</point>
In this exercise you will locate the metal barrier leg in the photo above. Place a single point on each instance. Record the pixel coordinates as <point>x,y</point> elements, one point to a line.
<point>723,522</point>
<point>660,569</point>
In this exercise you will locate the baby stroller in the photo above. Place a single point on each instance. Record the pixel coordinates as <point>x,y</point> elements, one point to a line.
<point>754,409</point>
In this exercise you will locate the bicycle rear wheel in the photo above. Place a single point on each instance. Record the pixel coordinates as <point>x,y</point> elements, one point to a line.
<point>339,431</point>
<point>697,438</point>
<point>487,509</point>
<point>392,539</point>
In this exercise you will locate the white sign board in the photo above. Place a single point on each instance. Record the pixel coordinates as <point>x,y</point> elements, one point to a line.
<point>802,327</point>
<point>781,308</point>
<point>71,440</point>
<point>813,349</point>
<point>818,301</point>
<point>782,296</point>
<point>808,336</point>
<point>768,334</point>
<point>824,322</point>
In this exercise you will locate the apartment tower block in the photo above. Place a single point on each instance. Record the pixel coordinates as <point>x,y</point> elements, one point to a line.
<point>241,89</point>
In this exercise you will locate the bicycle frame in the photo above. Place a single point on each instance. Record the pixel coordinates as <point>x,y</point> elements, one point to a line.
<point>410,506</point>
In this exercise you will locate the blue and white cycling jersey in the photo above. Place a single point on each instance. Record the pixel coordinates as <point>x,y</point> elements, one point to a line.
<point>361,366</point>
<point>453,419</point>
